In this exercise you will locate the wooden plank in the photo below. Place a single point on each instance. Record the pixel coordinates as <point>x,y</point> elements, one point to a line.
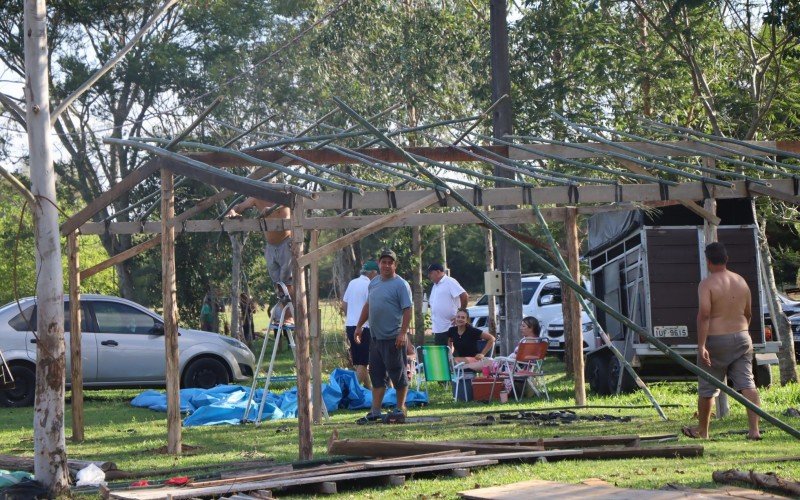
<point>774,193</point>
<point>549,195</point>
<point>291,472</point>
<point>326,488</point>
<point>435,454</point>
<point>302,354</point>
<point>689,204</point>
<point>571,307</point>
<point>125,184</point>
<point>121,257</point>
<point>236,487</point>
<point>564,442</point>
<point>76,379</point>
<point>394,448</point>
<point>500,457</point>
<point>370,228</point>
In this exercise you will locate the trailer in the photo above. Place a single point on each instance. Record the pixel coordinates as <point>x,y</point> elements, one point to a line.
<point>646,264</point>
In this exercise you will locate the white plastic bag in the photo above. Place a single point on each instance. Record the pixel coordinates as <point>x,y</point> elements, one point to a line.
<point>91,475</point>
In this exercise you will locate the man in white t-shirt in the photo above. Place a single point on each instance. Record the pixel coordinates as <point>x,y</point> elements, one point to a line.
<point>447,297</point>
<point>352,303</point>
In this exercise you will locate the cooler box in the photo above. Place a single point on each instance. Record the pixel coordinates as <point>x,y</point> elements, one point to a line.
<point>482,388</point>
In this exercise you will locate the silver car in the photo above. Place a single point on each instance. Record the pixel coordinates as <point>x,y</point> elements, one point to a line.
<point>122,345</point>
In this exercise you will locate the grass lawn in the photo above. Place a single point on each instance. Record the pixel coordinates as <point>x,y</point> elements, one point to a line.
<point>129,436</point>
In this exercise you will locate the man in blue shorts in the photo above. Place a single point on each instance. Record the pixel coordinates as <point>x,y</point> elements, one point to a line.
<point>388,310</point>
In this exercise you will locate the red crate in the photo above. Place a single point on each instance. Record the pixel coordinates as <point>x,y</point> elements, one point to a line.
<point>482,388</point>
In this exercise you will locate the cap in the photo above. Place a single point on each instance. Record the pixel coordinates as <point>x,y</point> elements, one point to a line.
<point>369,265</point>
<point>386,252</point>
<point>435,267</point>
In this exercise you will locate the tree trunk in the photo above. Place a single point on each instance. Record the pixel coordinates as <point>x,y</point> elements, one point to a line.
<point>572,308</point>
<point>302,353</point>
<point>169,293</point>
<point>237,243</point>
<point>491,317</point>
<point>50,456</point>
<point>780,324</point>
<point>416,285</point>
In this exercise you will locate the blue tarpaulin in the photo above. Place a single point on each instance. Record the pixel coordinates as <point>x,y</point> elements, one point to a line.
<point>225,404</point>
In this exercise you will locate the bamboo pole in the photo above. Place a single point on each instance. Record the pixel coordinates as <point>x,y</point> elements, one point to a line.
<point>76,358</point>
<point>306,440</point>
<point>314,331</point>
<point>565,277</point>
<point>170,304</point>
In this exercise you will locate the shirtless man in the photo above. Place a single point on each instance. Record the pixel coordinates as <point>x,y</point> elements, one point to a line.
<point>724,346</point>
<point>278,250</point>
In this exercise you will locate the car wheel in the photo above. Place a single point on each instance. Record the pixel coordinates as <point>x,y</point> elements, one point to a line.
<point>24,387</point>
<point>762,375</point>
<point>205,373</point>
<point>628,384</point>
<point>597,374</point>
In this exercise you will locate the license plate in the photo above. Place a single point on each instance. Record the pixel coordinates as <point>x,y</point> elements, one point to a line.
<point>554,343</point>
<point>671,331</point>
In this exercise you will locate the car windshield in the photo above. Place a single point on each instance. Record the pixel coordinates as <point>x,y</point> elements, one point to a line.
<point>528,289</point>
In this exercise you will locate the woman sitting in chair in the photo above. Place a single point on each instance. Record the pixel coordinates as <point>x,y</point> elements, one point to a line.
<point>463,343</point>
<point>530,330</point>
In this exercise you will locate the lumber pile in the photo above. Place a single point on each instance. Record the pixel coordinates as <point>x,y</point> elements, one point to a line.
<point>374,462</point>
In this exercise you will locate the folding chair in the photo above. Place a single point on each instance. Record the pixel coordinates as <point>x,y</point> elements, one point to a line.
<point>528,366</point>
<point>437,366</point>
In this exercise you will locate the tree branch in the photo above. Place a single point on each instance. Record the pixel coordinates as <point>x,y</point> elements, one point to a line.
<point>112,62</point>
<point>16,112</point>
<point>19,186</point>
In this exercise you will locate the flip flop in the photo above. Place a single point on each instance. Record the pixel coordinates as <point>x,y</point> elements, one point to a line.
<point>690,432</point>
<point>369,418</point>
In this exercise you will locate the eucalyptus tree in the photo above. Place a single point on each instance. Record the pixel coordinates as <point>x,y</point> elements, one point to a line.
<point>178,67</point>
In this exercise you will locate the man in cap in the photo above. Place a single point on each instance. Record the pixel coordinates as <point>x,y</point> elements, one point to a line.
<point>388,310</point>
<point>355,296</point>
<point>447,297</point>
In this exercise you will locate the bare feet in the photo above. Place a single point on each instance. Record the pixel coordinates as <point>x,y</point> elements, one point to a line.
<point>692,432</point>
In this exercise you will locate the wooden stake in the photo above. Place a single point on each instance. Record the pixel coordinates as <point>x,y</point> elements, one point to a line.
<point>170,313</point>
<point>491,317</point>
<point>416,285</point>
<point>75,337</point>
<point>306,440</point>
<point>572,307</point>
<point>315,333</point>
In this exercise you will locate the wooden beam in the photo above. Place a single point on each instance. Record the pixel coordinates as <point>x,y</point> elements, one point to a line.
<point>691,205</point>
<point>314,332</point>
<point>306,440</point>
<point>121,257</point>
<point>774,193</point>
<point>220,178</point>
<point>367,230</point>
<point>76,359</point>
<point>571,306</point>
<point>558,195</point>
<point>170,303</point>
<point>107,197</point>
<point>395,448</point>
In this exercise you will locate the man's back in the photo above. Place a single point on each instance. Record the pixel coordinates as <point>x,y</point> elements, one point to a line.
<point>730,302</point>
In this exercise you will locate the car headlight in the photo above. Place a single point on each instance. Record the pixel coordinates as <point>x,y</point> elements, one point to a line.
<point>235,343</point>
<point>587,327</point>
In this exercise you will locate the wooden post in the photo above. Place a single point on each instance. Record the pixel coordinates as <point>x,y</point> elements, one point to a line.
<point>572,306</point>
<point>314,331</point>
<point>416,285</point>
<point>443,248</point>
<point>237,242</point>
<point>170,312</point>
<point>491,317</point>
<point>306,439</point>
<point>75,336</point>
<point>710,235</point>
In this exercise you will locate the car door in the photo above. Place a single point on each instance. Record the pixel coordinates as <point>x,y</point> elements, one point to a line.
<point>128,350</point>
<point>26,321</point>
<point>548,303</point>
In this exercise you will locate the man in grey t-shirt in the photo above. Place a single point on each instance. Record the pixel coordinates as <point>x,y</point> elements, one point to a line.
<point>388,310</point>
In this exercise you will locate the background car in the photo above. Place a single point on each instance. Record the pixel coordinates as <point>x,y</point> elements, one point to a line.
<point>541,298</point>
<point>122,345</point>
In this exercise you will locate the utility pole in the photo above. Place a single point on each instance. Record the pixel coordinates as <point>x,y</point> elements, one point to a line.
<point>508,258</point>
<point>49,446</point>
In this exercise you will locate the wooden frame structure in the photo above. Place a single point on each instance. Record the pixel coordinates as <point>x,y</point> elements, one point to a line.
<point>564,203</point>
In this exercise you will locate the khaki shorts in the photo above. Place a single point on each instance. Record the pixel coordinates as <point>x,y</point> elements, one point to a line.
<point>731,356</point>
